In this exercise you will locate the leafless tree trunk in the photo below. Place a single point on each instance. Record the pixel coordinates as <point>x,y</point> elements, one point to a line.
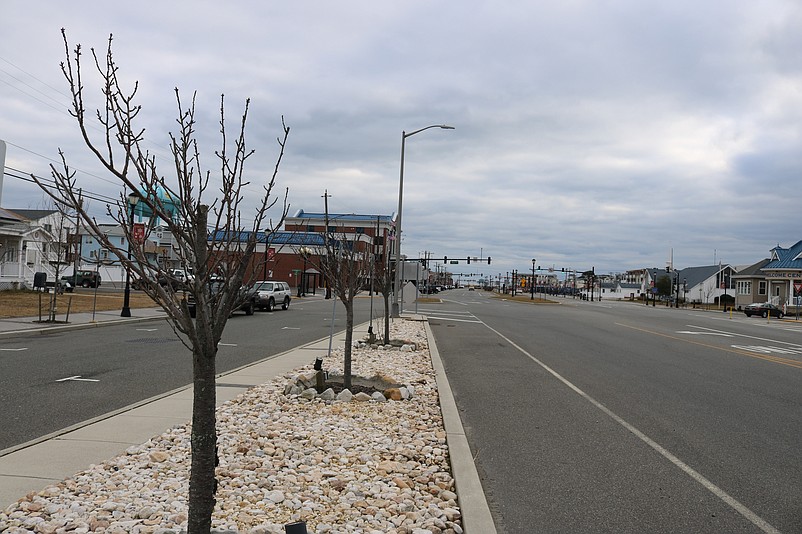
<point>210,236</point>
<point>346,268</point>
<point>58,249</point>
<point>384,284</point>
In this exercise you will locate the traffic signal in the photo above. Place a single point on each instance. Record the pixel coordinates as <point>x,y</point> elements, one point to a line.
<point>445,259</point>
<point>469,260</point>
<point>488,260</point>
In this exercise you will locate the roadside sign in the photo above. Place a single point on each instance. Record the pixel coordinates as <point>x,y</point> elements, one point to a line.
<point>454,262</point>
<point>139,232</point>
<point>798,287</point>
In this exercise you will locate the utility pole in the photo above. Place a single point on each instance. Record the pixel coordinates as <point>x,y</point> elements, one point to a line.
<point>326,196</point>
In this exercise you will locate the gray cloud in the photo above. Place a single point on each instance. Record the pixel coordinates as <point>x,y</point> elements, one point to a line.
<point>587,133</point>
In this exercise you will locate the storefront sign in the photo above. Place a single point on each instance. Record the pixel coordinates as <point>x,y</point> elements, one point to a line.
<point>795,274</point>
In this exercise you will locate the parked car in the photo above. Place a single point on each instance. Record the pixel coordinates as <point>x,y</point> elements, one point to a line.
<point>175,277</point>
<point>136,282</point>
<point>271,292</point>
<point>81,278</point>
<point>248,295</point>
<point>763,309</point>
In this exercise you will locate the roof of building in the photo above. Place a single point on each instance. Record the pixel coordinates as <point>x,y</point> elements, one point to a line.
<point>277,238</point>
<point>694,276</point>
<point>32,215</point>
<point>785,258</point>
<point>752,270</point>
<point>629,285</point>
<point>294,238</point>
<point>9,215</point>
<point>301,214</point>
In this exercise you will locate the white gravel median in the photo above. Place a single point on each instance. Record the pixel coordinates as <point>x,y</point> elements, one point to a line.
<point>350,467</point>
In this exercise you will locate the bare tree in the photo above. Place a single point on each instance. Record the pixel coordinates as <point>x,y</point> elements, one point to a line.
<point>346,269</point>
<point>57,250</point>
<point>384,279</point>
<point>211,238</point>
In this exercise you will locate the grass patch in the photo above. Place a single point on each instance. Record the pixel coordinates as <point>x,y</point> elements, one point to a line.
<point>26,303</point>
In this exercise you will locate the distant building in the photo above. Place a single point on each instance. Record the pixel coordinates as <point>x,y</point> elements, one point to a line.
<point>33,241</point>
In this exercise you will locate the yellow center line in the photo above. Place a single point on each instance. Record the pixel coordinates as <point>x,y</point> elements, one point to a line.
<point>757,356</point>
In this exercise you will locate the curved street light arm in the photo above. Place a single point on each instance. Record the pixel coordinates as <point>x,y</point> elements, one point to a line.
<point>441,126</point>
<point>396,310</point>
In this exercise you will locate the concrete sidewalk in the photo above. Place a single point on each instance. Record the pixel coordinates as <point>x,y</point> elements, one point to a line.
<point>52,458</point>
<point>22,325</point>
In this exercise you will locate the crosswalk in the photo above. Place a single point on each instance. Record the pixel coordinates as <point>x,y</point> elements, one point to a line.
<point>455,316</point>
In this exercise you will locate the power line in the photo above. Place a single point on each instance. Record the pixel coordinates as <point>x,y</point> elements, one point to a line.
<point>32,76</point>
<point>107,180</point>
<point>50,183</point>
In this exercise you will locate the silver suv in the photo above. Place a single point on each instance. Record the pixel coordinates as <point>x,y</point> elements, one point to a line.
<point>269,293</point>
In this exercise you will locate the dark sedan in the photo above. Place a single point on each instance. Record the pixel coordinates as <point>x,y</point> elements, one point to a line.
<point>764,310</point>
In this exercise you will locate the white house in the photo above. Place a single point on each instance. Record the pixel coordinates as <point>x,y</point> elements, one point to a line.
<point>33,241</point>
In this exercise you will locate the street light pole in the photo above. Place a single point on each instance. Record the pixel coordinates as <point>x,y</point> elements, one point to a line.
<point>396,312</point>
<point>126,311</point>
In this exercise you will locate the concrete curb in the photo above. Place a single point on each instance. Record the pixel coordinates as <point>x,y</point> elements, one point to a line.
<point>476,516</point>
<point>43,329</point>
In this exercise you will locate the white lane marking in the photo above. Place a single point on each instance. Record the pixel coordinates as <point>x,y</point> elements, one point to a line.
<point>768,350</point>
<point>698,477</point>
<point>226,344</point>
<point>703,333</point>
<point>441,312</point>
<point>146,329</point>
<point>290,328</point>
<point>77,378</point>
<point>747,336</point>
<point>474,320</point>
<point>15,350</point>
<point>455,302</point>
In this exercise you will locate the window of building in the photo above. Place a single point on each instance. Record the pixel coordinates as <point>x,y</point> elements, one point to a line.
<point>360,229</point>
<point>761,288</point>
<point>745,287</point>
<point>310,228</point>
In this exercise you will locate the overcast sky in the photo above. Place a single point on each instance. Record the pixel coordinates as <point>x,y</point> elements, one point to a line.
<point>587,133</point>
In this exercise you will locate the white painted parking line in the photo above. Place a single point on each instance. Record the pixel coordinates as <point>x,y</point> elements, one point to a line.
<point>226,344</point>
<point>737,334</point>
<point>423,311</point>
<point>290,328</point>
<point>761,349</point>
<point>77,378</point>
<point>15,350</point>
<point>146,329</point>
<point>703,333</point>
<point>474,320</point>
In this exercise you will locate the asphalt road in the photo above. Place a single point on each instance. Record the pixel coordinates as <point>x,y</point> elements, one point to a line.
<point>617,417</point>
<point>65,378</point>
